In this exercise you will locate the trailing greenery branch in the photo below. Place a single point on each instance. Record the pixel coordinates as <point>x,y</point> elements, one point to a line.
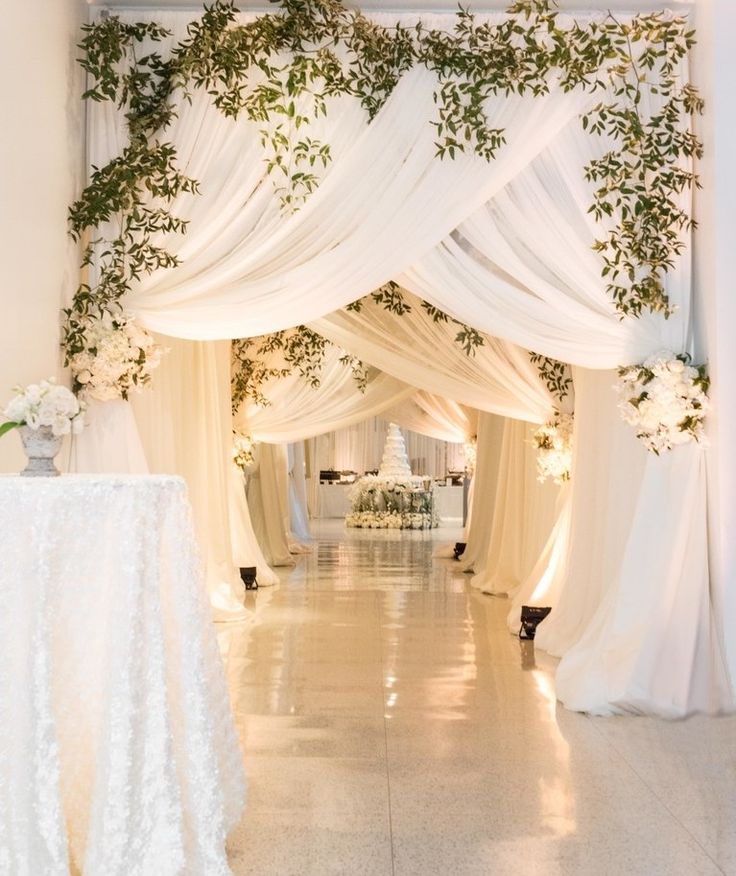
<point>391,297</point>
<point>296,351</point>
<point>282,69</point>
<point>556,375</point>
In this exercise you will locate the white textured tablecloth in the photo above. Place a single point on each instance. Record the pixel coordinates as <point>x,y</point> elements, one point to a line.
<point>117,742</point>
<point>334,500</point>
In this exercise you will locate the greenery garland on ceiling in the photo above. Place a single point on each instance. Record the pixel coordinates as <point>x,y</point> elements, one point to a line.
<point>280,69</point>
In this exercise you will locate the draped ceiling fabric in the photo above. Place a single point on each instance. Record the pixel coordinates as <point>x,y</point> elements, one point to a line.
<point>503,246</point>
<point>297,410</point>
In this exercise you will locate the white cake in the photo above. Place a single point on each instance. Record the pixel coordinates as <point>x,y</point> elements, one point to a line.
<point>395,462</point>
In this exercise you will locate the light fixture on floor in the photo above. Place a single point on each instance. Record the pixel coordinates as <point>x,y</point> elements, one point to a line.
<point>248,576</point>
<point>459,549</point>
<point>531,617</point>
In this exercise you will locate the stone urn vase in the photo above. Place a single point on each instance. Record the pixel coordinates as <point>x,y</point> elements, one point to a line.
<point>40,446</point>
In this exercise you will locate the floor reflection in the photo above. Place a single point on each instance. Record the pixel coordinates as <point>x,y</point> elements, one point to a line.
<point>392,726</point>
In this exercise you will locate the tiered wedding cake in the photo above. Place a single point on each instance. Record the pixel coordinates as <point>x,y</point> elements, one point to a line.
<point>395,462</point>
<point>394,498</point>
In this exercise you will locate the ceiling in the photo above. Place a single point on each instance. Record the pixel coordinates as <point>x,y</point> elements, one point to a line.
<point>416,5</point>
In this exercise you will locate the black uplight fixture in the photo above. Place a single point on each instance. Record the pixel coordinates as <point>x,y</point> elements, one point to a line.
<point>248,576</point>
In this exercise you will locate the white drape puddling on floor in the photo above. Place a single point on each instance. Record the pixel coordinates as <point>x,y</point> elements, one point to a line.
<point>268,500</point>
<point>634,621</point>
<point>544,584</point>
<point>193,439</point>
<point>522,516</point>
<point>298,505</point>
<point>485,483</point>
<point>503,246</point>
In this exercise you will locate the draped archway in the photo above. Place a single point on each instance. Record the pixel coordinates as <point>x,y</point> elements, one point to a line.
<point>504,247</point>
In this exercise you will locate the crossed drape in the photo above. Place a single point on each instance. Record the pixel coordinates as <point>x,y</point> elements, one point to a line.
<point>503,246</point>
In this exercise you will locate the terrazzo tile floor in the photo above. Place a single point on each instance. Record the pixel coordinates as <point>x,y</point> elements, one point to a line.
<point>392,727</point>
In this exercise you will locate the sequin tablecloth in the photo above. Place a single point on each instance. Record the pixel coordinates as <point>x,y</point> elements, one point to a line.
<point>117,743</point>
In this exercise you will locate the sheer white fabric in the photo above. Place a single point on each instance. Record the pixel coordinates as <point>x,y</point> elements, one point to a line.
<point>268,501</point>
<point>298,410</point>
<point>523,515</point>
<point>543,585</point>
<point>435,417</point>
<point>503,246</point>
<point>186,429</point>
<point>485,485</point>
<point>110,442</point>
<point>115,722</point>
<point>246,550</point>
<point>298,508</point>
<point>498,377</point>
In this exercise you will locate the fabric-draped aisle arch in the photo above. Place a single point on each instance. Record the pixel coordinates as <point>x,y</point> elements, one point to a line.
<point>459,234</point>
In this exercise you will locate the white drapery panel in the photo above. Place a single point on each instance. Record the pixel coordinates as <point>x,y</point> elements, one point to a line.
<point>483,242</point>
<point>543,585</point>
<point>185,426</point>
<point>435,417</point>
<point>497,377</point>
<point>523,515</point>
<point>298,504</point>
<point>110,442</point>
<point>298,410</point>
<point>268,501</point>
<point>485,485</point>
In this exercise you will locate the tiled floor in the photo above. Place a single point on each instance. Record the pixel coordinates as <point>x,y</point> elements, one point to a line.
<point>391,725</point>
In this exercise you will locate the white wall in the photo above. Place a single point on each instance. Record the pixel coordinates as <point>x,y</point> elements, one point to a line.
<point>715,284</point>
<point>41,171</point>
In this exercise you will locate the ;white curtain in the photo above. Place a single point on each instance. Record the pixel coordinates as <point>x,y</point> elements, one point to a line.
<point>503,246</point>
<point>185,426</point>
<point>523,515</point>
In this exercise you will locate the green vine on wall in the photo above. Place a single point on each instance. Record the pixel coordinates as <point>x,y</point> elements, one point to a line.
<point>280,70</point>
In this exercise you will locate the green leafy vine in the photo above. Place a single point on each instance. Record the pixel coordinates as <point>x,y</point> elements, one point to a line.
<point>281,69</point>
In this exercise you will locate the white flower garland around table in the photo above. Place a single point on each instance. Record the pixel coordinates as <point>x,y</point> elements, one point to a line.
<point>117,355</point>
<point>386,503</point>
<point>44,404</point>
<point>553,442</point>
<point>665,399</point>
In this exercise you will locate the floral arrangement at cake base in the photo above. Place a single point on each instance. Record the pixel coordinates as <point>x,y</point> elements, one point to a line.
<point>665,399</point>
<point>111,356</point>
<point>391,520</point>
<point>553,441</point>
<point>385,503</point>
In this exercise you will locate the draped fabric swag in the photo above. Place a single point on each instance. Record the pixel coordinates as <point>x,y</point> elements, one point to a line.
<point>502,246</point>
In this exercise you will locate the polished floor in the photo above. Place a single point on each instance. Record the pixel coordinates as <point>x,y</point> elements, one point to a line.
<point>392,727</point>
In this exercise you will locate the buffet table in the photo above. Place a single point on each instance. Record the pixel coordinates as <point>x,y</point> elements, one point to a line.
<point>117,744</point>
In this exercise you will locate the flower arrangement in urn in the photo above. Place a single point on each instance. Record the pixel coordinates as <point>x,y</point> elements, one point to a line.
<point>43,413</point>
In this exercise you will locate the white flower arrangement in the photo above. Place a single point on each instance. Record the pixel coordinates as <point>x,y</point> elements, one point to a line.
<point>470,452</point>
<point>44,404</point>
<point>243,446</point>
<point>553,441</point>
<point>392,520</point>
<point>665,399</point>
<point>388,503</point>
<point>114,356</point>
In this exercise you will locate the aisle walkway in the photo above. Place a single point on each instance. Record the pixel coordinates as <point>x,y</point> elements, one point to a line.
<point>393,727</point>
